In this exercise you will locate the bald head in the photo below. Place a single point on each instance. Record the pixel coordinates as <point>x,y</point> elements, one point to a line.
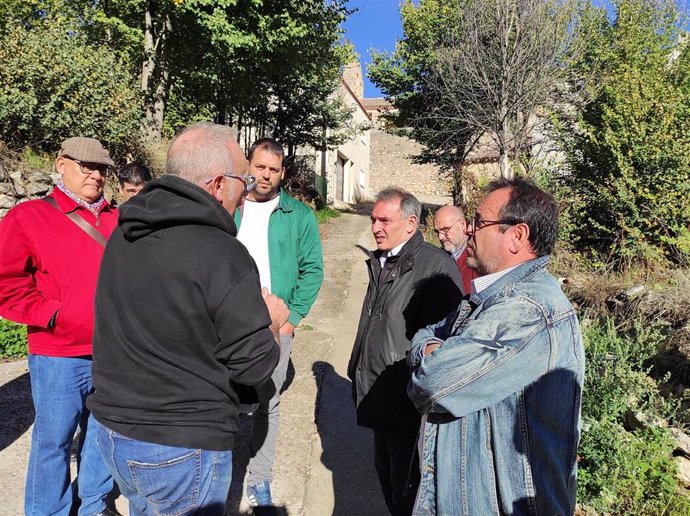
<point>449,225</point>
<point>204,150</point>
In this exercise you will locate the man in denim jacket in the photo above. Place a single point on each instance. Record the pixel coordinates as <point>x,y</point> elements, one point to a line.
<point>500,380</point>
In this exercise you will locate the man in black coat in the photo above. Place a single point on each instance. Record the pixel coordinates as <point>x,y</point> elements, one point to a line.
<point>181,321</point>
<point>411,284</point>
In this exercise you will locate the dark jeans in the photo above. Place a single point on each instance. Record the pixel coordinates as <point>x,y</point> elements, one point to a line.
<point>397,466</point>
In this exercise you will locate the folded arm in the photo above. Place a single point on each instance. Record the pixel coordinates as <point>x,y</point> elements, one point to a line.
<point>503,350</point>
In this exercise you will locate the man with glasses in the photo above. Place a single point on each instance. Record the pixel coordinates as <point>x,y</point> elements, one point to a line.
<point>411,284</point>
<point>450,225</point>
<point>50,253</point>
<point>499,381</point>
<point>181,324</point>
<point>282,235</point>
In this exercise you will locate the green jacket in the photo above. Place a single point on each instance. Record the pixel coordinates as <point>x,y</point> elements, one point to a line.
<point>294,255</point>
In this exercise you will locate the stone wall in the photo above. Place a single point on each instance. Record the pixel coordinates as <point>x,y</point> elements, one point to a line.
<point>392,164</point>
<point>19,184</point>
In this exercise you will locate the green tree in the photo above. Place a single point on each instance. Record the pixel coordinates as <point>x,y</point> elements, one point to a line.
<point>400,76</point>
<point>267,66</point>
<point>629,150</point>
<point>68,87</point>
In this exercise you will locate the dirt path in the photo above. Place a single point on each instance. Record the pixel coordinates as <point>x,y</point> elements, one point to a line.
<point>324,463</point>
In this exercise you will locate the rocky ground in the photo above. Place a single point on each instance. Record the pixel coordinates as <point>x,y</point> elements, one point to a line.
<point>324,464</point>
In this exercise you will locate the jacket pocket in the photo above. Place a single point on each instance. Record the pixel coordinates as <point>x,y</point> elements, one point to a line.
<point>75,317</point>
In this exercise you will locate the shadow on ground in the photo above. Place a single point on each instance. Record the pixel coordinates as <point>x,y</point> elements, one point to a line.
<point>17,410</point>
<point>347,448</point>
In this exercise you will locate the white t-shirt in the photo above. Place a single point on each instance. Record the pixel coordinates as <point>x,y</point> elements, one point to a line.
<point>253,234</point>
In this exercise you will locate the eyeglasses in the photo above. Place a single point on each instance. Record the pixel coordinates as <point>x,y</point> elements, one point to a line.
<point>87,168</point>
<point>446,230</point>
<point>248,180</point>
<point>477,223</point>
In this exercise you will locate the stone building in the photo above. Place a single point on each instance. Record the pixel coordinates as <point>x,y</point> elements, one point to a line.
<point>393,163</point>
<point>342,174</point>
<point>394,159</point>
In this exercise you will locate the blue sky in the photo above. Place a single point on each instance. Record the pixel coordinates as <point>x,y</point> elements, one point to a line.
<point>376,24</point>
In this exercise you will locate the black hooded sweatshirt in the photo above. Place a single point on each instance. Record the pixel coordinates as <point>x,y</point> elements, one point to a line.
<point>179,320</point>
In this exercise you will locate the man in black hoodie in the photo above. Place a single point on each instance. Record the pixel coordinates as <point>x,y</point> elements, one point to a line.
<point>180,321</point>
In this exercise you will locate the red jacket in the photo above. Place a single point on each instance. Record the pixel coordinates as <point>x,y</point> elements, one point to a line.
<point>466,273</point>
<point>48,263</point>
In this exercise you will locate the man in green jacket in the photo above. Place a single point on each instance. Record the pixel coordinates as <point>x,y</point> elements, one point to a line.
<point>282,235</point>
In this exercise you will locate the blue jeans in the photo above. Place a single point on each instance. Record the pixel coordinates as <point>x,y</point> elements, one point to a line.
<point>166,480</point>
<point>59,387</point>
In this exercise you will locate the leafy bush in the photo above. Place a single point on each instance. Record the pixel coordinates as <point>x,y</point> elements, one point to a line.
<point>12,339</point>
<point>326,213</point>
<point>54,84</point>
<point>622,471</point>
<point>617,380</point>
<point>629,151</point>
<point>625,473</point>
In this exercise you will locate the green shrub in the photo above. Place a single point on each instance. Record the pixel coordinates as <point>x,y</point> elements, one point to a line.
<point>55,84</point>
<point>625,473</point>
<point>621,471</point>
<point>629,151</point>
<point>617,380</point>
<point>12,339</point>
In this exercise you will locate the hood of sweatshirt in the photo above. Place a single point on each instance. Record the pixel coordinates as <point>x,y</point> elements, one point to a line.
<point>168,202</point>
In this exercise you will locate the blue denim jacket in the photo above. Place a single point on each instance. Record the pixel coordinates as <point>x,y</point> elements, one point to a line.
<point>502,395</point>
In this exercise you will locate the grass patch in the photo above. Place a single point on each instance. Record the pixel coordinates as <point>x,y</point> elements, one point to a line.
<point>37,160</point>
<point>12,339</point>
<point>326,213</point>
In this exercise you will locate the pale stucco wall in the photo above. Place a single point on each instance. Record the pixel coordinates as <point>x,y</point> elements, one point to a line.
<point>354,156</point>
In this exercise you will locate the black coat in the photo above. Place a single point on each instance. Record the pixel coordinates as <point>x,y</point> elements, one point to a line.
<point>418,287</point>
<point>180,321</point>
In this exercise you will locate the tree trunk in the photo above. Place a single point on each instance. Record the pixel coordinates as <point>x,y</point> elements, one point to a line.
<point>504,162</point>
<point>155,74</point>
<point>504,137</point>
<point>457,172</point>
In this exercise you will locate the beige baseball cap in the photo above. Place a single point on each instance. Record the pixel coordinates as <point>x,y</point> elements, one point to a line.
<point>88,150</point>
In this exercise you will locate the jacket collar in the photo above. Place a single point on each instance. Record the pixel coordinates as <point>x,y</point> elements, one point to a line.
<point>415,241</point>
<point>67,204</point>
<point>517,275</point>
<point>284,201</point>
<point>404,259</point>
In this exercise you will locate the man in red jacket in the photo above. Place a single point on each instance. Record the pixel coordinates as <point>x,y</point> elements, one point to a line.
<point>50,253</point>
<point>449,225</point>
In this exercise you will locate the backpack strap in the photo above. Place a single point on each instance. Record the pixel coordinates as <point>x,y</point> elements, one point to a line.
<point>83,225</point>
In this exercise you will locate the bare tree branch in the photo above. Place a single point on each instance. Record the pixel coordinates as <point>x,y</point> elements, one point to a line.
<point>506,60</point>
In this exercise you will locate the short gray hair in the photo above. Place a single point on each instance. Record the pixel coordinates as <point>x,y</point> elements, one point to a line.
<point>409,205</point>
<point>206,155</point>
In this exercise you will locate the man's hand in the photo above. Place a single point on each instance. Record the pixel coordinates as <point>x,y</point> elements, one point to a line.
<point>287,328</point>
<point>277,310</point>
<point>431,347</point>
